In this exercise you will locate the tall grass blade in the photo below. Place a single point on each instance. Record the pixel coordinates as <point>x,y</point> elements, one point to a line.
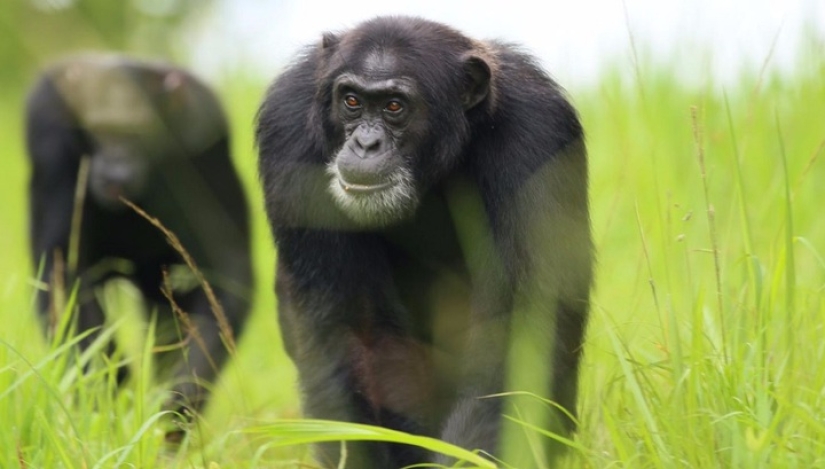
<point>711,215</point>
<point>653,433</point>
<point>305,431</point>
<point>754,274</point>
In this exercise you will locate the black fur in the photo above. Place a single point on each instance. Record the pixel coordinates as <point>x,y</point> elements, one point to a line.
<point>156,136</point>
<point>406,321</point>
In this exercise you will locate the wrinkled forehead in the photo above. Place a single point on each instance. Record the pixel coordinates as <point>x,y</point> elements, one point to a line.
<point>377,72</point>
<point>379,64</point>
<point>396,58</point>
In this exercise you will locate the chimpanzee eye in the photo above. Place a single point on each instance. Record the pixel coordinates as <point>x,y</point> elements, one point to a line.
<point>352,102</point>
<point>394,106</point>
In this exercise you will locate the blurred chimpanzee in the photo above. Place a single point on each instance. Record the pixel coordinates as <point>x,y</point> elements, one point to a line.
<point>101,129</point>
<point>428,197</point>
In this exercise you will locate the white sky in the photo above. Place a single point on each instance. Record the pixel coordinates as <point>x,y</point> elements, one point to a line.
<point>574,39</point>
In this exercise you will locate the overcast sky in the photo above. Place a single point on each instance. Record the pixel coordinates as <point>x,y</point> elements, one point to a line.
<point>574,39</point>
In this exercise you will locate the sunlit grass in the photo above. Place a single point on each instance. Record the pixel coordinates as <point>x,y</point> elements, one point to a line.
<point>705,345</point>
<point>705,348</point>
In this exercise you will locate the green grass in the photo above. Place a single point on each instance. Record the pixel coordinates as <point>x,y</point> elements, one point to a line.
<point>705,347</point>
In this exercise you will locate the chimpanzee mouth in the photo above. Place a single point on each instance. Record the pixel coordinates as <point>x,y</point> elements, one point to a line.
<point>364,189</point>
<point>371,205</point>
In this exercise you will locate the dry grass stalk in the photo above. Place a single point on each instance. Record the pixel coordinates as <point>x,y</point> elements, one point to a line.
<point>217,309</point>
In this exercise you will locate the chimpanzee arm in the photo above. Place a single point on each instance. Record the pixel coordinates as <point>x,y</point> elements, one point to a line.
<point>215,233</point>
<point>525,231</point>
<point>56,148</point>
<point>322,300</point>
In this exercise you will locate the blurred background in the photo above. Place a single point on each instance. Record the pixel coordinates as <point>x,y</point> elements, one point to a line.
<point>750,71</point>
<point>576,40</point>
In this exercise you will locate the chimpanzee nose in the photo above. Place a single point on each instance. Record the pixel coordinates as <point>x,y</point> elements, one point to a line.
<point>366,142</point>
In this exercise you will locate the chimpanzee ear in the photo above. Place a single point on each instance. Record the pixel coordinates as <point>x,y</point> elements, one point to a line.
<point>329,40</point>
<point>477,81</point>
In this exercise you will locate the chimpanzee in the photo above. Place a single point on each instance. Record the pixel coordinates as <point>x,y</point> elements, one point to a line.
<point>105,129</point>
<point>427,193</point>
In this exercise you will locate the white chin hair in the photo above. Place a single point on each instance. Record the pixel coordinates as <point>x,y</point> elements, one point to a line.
<point>379,208</point>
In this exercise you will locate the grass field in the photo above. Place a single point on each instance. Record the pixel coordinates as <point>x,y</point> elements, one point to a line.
<point>705,347</point>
